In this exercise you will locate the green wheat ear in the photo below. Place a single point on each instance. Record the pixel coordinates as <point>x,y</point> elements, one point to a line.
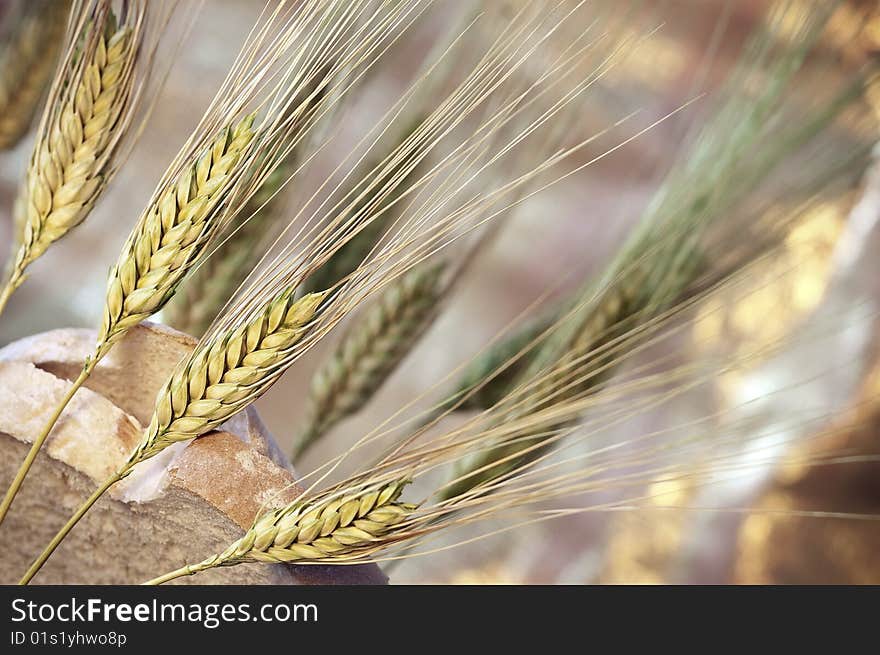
<point>371,350</point>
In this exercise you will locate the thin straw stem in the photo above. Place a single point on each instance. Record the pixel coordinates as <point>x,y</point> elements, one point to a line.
<point>189,569</point>
<point>6,294</point>
<point>41,439</point>
<point>71,522</point>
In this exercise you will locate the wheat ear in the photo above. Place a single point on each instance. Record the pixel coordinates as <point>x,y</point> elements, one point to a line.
<point>26,66</point>
<point>371,350</point>
<point>221,377</point>
<point>319,530</point>
<point>64,177</point>
<point>618,309</point>
<point>227,373</point>
<point>170,236</point>
<point>66,171</point>
<point>165,243</point>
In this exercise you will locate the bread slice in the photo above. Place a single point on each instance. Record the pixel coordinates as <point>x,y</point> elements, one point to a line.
<point>191,501</point>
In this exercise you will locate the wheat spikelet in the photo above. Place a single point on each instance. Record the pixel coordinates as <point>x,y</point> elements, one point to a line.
<point>317,530</point>
<point>66,171</point>
<point>226,373</point>
<point>26,65</point>
<point>213,283</point>
<point>370,351</point>
<point>171,235</point>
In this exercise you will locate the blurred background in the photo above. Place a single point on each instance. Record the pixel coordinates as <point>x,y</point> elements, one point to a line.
<point>760,528</point>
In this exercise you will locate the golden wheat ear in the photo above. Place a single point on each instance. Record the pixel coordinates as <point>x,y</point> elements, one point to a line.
<point>227,372</point>
<point>320,530</point>
<point>30,47</point>
<point>171,234</point>
<point>86,116</point>
<point>78,148</point>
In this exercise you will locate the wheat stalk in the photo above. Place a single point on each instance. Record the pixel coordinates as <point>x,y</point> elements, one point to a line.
<point>323,530</point>
<point>371,350</point>
<point>26,64</point>
<point>68,168</point>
